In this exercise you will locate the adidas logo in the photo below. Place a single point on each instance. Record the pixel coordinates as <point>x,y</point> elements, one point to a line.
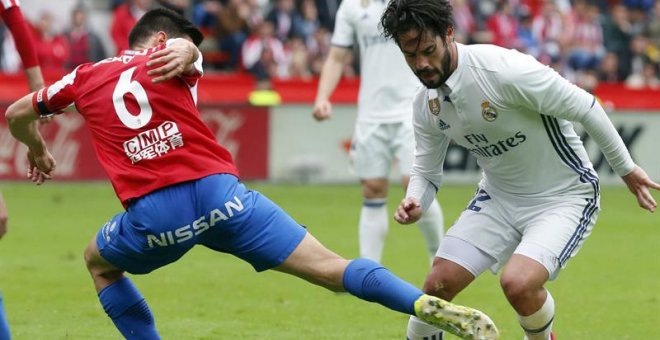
<point>442,125</point>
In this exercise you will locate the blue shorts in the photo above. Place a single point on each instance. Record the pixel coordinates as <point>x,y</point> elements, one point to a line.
<point>215,211</point>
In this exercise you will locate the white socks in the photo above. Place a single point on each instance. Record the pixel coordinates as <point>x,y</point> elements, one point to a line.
<point>539,325</point>
<point>432,226</point>
<point>420,330</point>
<point>374,224</point>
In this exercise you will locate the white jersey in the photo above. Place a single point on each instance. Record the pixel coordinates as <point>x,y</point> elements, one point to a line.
<point>513,114</point>
<point>387,83</point>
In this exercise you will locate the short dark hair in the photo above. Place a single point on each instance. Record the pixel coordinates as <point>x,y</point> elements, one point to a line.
<point>401,16</point>
<point>166,20</point>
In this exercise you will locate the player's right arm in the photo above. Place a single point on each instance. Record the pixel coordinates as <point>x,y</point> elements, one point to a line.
<point>22,121</point>
<point>330,76</point>
<point>426,173</point>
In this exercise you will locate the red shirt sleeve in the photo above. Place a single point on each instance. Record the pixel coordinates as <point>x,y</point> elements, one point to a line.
<point>54,98</point>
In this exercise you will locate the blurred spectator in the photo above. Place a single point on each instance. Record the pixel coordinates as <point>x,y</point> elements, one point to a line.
<point>608,70</point>
<point>647,77</point>
<point>465,23</point>
<point>84,45</point>
<point>52,48</point>
<point>232,29</point>
<point>309,21</point>
<point>652,30</point>
<point>586,43</point>
<point>285,19</point>
<point>504,26</point>
<point>318,50</point>
<point>547,30</point>
<point>327,10</point>
<point>263,54</point>
<point>528,42</point>
<point>205,15</point>
<point>124,18</point>
<point>298,59</point>
<point>616,36</point>
<point>639,10</point>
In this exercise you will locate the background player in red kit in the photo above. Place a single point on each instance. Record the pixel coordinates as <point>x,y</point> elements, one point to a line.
<point>13,18</point>
<point>180,188</point>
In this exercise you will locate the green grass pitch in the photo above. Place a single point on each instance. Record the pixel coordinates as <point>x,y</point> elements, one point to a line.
<point>610,291</point>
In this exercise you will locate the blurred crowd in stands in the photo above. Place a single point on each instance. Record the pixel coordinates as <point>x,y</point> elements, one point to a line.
<point>588,41</point>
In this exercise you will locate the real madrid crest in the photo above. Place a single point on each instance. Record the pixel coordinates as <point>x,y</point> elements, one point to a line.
<point>488,112</point>
<point>434,102</point>
<point>365,3</point>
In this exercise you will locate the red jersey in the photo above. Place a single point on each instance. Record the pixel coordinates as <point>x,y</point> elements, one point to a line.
<point>147,136</point>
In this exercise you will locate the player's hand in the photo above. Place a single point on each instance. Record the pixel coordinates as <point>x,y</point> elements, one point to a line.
<point>639,183</point>
<point>176,60</point>
<point>408,211</point>
<point>41,166</point>
<point>322,110</point>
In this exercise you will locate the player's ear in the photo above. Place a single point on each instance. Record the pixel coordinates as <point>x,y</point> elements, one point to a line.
<point>161,37</point>
<point>450,35</point>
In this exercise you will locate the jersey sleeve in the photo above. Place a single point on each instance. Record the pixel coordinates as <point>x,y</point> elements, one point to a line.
<point>538,87</point>
<point>54,98</point>
<point>344,33</point>
<point>430,151</point>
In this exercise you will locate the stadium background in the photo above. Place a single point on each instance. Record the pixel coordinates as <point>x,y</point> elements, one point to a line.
<point>303,166</point>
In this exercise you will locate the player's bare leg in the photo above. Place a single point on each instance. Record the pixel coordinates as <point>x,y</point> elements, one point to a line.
<point>445,281</point>
<point>370,281</point>
<point>522,281</point>
<point>374,219</point>
<point>120,298</point>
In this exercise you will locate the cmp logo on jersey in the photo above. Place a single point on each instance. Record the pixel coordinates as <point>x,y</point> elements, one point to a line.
<point>488,112</point>
<point>154,143</point>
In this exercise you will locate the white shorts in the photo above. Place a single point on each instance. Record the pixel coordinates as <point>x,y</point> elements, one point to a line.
<point>549,230</point>
<point>376,146</point>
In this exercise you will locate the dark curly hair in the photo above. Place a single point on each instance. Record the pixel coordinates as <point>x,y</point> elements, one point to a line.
<point>401,16</point>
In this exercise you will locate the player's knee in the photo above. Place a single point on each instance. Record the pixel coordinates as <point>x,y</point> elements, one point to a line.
<point>517,287</point>
<point>374,188</point>
<point>440,286</point>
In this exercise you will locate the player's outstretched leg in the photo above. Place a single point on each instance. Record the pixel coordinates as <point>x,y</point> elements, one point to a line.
<point>370,281</point>
<point>4,325</point>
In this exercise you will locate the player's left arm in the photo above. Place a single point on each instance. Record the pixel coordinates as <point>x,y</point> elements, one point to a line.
<point>179,58</point>
<point>540,88</point>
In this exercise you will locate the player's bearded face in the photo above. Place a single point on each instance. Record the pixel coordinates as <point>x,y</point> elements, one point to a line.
<point>428,57</point>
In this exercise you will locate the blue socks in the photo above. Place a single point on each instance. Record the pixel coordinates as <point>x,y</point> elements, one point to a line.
<point>4,325</point>
<point>128,310</point>
<point>370,281</point>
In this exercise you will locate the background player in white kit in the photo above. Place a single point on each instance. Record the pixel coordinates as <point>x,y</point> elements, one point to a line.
<point>383,131</point>
<point>539,195</point>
